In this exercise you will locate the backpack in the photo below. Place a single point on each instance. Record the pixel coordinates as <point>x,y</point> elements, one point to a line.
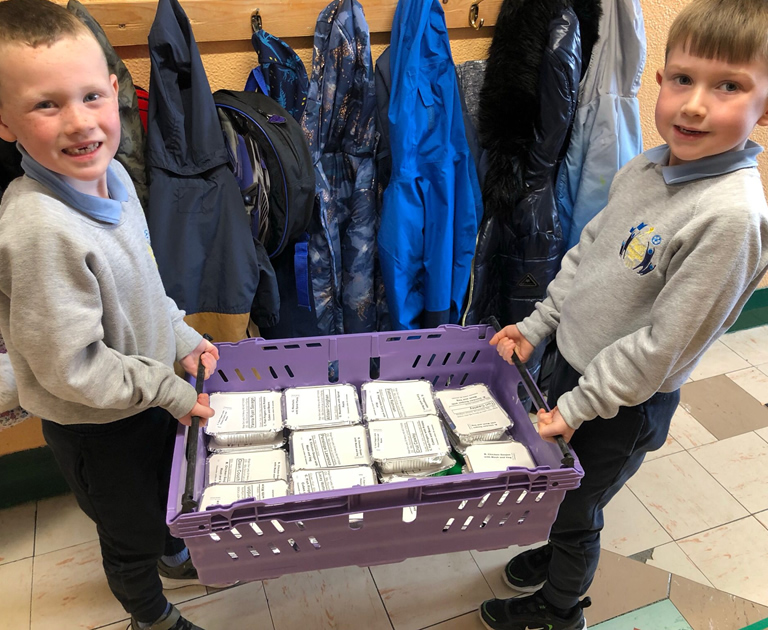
<point>270,157</point>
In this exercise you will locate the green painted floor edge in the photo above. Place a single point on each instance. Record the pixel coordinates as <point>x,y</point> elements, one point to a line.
<point>760,625</point>
<point>755,312</point>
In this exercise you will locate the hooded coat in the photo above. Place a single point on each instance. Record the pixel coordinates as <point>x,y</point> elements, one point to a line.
<point>527,106</point>
<point>209,262</point>
<point>340,124</point>
<point>606,130</point>
<point>432,205</point>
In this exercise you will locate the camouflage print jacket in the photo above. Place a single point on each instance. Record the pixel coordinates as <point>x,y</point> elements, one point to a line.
<point>340,124</point>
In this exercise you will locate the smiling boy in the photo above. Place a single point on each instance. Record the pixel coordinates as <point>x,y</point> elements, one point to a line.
<point>656,278</point>
<point>90,332</point>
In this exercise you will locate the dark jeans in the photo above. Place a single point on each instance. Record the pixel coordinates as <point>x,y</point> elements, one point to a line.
<point>610,451</point>
<point>119,473</point>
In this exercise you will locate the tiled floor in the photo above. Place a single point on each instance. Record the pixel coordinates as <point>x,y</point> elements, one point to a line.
<point>685,544</point>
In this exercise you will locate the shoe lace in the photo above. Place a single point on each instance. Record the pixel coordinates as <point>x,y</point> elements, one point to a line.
<point>183,624</point>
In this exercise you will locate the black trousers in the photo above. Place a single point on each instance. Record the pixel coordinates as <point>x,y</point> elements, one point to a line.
<point>610,451</point>
<point>119,473</point>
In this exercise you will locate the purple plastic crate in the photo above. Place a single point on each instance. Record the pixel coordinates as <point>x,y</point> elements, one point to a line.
<point>255,540</point>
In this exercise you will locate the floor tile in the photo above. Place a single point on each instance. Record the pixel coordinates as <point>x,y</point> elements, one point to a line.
<point>682,496</point>
<point>15,594</point>
<point>673,559</point>
<point>719,359</point>
<point>707,609</point>
<point>17,532</point>
<point>244,606</point>
<point>470,621</point>
<point>734,558</point>
<point>723,407</point>
<point>492,565</point>
<point>658,616</point>
<point>740,464</point>
<point>60,524</point>
<point>763,518</point>
<point>423,591</point>
<point>752,381</point>
<point>750,344</point>
<point>622,585</point>
<point>69,590</point>
<point>763,433</point>
<point>629,526</point>
<point>318,600</point>
<point>687,431</point>
<point>670,447</point>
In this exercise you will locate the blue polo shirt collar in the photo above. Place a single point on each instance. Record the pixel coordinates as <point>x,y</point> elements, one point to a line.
<point>710,166</point>
<point>104,210</point>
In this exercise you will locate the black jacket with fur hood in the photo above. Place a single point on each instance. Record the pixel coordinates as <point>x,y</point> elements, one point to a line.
<point>527,105</point>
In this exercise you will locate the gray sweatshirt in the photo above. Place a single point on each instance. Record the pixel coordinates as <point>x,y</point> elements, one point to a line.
<point>90,332</point>
<point>656,278</point>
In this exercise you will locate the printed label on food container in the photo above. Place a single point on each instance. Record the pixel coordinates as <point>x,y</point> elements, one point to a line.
<point>330,448</point>
<point>256,411</point>
<point>385,400</point>
<point>494,457</point>
<point>405,438</point>
<point>472,409</point>
<point>305,481</point>
<point>240,467</point>
<point>321,406</point>
<point>228,494</point>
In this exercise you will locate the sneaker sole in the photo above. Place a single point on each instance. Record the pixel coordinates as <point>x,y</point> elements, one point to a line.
<point>521,589</point>
<point>480,614</point>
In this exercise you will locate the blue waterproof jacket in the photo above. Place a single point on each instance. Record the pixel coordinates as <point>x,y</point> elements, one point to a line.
<point>432,205</point>
<point>341,129</point>
<point>606,130</point>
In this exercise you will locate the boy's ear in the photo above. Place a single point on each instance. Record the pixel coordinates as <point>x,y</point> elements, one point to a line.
<point>113,81</point>
<point>5,131</point>
<point>658,77</point>
<point>763,120</point>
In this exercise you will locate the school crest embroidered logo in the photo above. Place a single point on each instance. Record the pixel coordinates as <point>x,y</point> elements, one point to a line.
<point>637,251</point>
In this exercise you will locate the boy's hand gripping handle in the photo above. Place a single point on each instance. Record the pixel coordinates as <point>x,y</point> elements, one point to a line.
<point>538,399</point>
<point>188,502</point>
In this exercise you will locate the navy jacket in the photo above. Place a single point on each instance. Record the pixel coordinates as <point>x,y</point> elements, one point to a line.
<point>207,257</point>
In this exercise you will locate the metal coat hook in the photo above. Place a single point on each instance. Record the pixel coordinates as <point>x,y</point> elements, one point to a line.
<point>474,12</point>
<point>256,20</point>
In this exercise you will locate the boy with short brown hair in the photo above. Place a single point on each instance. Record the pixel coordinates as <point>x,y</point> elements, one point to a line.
<point>656,278</point>
<point>90,332</point>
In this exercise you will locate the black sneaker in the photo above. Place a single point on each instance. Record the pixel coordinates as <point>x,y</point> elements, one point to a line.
<point>182,575</point>
<point>531,613</point>
<point>527,572</point>
<point>174,621</point>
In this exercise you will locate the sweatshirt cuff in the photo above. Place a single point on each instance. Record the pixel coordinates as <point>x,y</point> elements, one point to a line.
<point>575,409</point>
<point>533,332</point>
<point>182,398</point>
<point>187,339</point>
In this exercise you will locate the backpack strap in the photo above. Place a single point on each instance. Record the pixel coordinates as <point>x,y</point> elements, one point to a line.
<point>256,82</point>
<point>301,268</point>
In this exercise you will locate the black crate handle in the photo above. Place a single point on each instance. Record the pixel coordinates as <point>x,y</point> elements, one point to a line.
<point>188,502</point>
<point>534,392</point>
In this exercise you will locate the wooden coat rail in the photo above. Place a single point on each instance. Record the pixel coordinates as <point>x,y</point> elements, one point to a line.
<point>127,22</point>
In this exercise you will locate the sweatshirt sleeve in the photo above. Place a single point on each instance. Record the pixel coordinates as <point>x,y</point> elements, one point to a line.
<point>187,338</point>
<point>546,317</point>
<point>55,324</point>
<point>719,258</point>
